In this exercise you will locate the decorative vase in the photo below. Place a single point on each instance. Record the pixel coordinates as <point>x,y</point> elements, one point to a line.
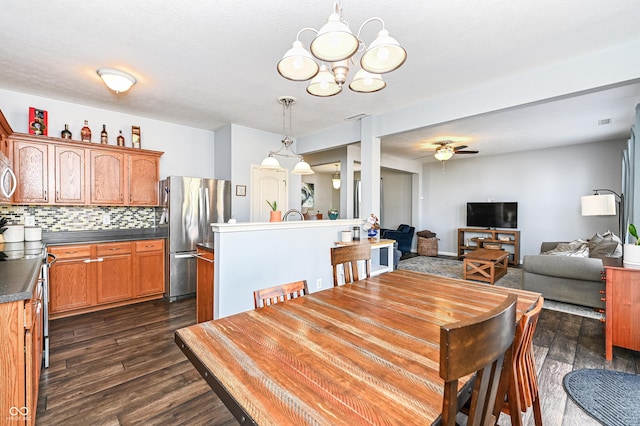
<point>372,233</point>
<point>275,216</point>
<point>631,256</point>
<point>333,214</point>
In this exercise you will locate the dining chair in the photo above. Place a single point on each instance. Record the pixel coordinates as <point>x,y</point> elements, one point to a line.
<point>279,293</point>
<point>522,390</point>
<point>348,256</point>
<point>476,345</point>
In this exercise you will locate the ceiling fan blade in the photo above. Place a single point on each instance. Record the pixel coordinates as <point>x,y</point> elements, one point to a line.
<point>467,152</point>
<point>458,148</point>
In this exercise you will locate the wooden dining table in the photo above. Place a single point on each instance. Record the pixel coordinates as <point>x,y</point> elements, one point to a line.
<point>365,353</point>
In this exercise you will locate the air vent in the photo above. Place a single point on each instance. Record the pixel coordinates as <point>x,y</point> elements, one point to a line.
<point>356,117</point>
<point>604,121</point>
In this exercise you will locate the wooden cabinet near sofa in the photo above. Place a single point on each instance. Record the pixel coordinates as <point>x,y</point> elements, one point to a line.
<point>622,300</point>
<point>21,358</point>
<point>91,277</point>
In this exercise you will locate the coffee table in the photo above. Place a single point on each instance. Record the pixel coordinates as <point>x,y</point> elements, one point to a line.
<point>485,265</point>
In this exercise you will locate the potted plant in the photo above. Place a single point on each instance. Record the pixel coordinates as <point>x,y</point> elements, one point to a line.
<point>631,254</point>
<point>276,215</point>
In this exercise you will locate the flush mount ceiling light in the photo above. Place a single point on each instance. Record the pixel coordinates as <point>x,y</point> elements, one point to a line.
<point>118,81</point>
<point>270,162</point>
<point>336,45</point>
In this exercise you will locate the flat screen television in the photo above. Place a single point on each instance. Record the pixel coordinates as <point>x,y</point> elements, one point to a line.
<point>492,215</point>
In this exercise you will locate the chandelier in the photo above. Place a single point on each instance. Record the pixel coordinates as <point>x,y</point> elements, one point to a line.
<point>270,162</point>
<point>335,47</point>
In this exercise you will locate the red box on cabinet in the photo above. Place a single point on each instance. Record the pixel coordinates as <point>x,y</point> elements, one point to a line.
<point>37,121</point>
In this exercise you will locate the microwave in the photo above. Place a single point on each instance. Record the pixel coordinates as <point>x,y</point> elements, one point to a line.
<point>8,181</point>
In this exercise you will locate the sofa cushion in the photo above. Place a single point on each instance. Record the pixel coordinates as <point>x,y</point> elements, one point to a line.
<point>576,248</point>
<point>575,268</point>
<point>607,245</point>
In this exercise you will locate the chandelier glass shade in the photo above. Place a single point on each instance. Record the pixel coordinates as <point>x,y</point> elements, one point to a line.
<point>116,80</point>
<point>444,153</point>
<point>335,179</point>
<point>270,162</point>
<point>335,46</point>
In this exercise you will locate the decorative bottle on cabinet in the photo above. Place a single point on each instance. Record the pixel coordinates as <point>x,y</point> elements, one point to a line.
<point>120,139</point>
<point>66,133</point>
<point>104,138</point>
<point>85,132</point>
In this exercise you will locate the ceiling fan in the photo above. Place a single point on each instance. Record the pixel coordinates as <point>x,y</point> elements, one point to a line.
<point>444,150</point>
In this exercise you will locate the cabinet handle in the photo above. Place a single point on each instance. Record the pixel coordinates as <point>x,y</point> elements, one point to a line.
<point>100,259</point>
<point>114,248</point>
<point>603,299</point>
<point>130,198</point>
<point>57,195</point>
<point>602,291</point>
<point>70,252</point>
<point>45,195</point>
<point>121,197</point>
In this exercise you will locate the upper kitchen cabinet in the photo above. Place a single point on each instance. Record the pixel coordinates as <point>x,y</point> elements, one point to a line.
<point>69,174</point>
<point>31,167</point>
<point>143,179</point>
<point>107,177</point>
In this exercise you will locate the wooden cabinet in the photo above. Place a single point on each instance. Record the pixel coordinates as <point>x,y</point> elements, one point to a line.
<point>114,272</point>
<point>107,178</point>
<point>31,166</point>
<point>622,301</point>
<point>204,284</point>
<point>69,175</point>
<point>470,239</point>
<point>21,358</point>
<point>143,180</point>
<point>90,277</point>
<point>149,268</point>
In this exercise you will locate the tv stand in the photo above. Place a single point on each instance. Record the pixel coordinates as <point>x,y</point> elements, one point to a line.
<point>470,239</point>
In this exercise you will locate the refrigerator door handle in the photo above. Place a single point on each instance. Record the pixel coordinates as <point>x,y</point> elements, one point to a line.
<point>184,256</point>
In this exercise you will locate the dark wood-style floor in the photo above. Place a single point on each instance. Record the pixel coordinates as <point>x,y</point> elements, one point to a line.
<point>122,367</point>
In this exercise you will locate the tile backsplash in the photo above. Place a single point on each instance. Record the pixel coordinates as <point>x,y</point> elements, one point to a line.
<point>82,218</point>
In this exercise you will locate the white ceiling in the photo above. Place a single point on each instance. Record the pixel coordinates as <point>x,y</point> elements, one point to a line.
<point>207,64</point>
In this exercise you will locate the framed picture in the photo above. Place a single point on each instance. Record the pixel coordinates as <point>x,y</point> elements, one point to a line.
<point>37,121</point>
<point>307,194</point>
<point>135,137</point>
<point>241,190</point>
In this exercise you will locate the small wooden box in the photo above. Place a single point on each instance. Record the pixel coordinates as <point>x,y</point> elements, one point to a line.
<point>427,246</point>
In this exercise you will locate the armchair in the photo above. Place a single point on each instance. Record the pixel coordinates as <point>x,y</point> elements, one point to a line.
<point>403,235</point>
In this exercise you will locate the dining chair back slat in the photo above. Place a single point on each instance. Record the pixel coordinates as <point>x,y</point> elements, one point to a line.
<point>279,293</point>
<point>348,256</point>
<point>522,388</point>
<point>476,345</point>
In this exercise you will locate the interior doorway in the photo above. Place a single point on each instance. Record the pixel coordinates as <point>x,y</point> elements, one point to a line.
<point>267,185</point>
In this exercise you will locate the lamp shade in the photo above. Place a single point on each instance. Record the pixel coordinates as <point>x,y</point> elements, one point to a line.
<point>598,205</point>
<point>334,41</point>
<point>383,55</point>
<point>323,84</point>
<point>335,181</point>
<point>271,163</point>
<point>298,64</point>
<point>116,80</point>
<point>366,82</point>
<point>302,168</point>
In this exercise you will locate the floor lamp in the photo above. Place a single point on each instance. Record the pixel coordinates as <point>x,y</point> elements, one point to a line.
<point>604,205</point>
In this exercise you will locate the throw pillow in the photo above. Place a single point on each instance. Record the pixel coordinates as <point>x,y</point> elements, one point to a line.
<point>608,246</point>
<point>577,248</point>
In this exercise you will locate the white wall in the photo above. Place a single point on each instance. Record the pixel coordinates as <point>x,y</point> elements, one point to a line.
<point>188,151</point>
<point>547,184</point>
<point>397,199</point>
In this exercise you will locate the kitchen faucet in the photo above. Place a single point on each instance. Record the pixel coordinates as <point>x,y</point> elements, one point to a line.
<point>284,218</point>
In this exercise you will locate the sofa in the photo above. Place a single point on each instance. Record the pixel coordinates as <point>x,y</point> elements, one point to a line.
<point>571,272</point>
<point>403,235</point>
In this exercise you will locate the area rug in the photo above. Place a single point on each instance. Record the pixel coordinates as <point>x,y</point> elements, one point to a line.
<point>452,268</point>
<point>611,397</point>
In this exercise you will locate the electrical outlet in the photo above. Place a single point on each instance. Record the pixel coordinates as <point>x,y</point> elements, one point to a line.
<point>106,219</point>
<point>319,283</point>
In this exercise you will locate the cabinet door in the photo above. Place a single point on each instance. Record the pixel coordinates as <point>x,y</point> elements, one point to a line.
<point>107,177</point>
<point>69,175</point>
<point>114,272</point>
<point>33,351</point>
<point>30,163</point>
<point>149,268</point>
<point>204,291</point>
<point>71,282</point>
<point>143,180</point>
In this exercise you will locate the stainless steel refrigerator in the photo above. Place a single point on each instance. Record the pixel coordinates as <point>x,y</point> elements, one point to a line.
<point>189,206</point>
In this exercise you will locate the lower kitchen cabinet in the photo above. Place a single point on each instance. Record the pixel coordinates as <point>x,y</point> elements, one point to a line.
<point>204,284</point>
<point>21,358</point>
<point>92,277</point>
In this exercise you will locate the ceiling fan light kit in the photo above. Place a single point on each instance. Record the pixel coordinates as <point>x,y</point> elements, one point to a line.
<point>336,45</point>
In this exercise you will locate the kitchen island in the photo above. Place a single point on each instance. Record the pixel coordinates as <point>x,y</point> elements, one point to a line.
<point>254,255</point>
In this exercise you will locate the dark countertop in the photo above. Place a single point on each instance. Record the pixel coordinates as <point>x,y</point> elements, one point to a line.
<point>206,246</point>
<point>17,278</point>
<point>18,275</point>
